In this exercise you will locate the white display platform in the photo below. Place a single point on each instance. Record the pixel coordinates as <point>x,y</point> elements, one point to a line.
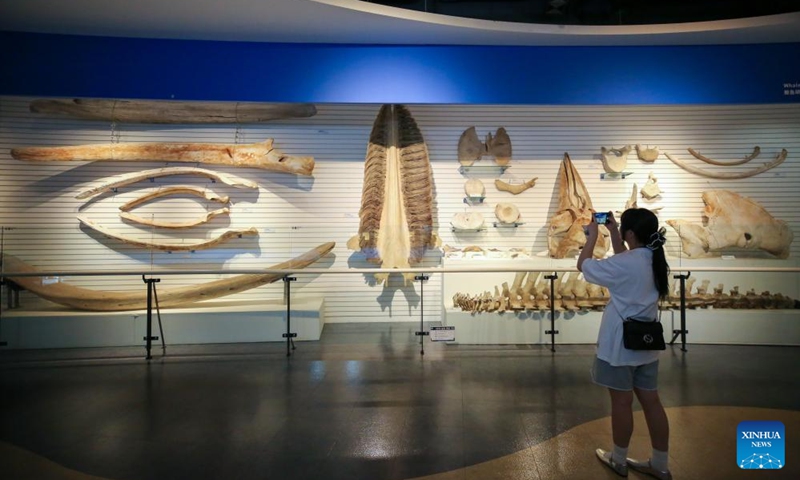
<point>739,327</point>
<point>219,322</point>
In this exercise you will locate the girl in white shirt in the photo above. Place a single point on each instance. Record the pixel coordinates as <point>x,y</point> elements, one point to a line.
<point>636,277</point>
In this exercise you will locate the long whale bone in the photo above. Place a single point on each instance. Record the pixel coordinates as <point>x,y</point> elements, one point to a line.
<point>253,155</point>
<point>730,176</point>
<point>132,217</point>
<point>109,301</point>
<point>514,188</point>
<point>169,247</point>
<point>175,190</point>
<point>130,178</point>
<point>697,155</point>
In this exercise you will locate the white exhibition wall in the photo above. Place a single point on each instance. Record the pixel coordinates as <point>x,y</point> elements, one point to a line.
<point>38,208</point>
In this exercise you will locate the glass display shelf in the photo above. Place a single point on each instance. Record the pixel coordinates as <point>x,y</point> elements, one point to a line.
<point>508,225</point>
<point>615,175</point>
<point>496,169</point>
<point>474,200</point>
<point>468,230</point>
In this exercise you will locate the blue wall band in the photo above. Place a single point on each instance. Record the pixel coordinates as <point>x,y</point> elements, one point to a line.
<point>106,67</point>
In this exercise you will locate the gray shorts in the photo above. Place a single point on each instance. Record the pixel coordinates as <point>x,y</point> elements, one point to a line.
<point>626,378</point>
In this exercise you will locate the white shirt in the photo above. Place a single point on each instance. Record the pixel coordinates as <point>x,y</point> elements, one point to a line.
<point>629,278</point>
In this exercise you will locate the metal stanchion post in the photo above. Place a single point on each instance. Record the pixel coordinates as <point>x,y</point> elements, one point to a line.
<point>682,332</point>
<point>151,282</point>
<point>421,333</point>
<point>552,332</point>
<point>287,293</point>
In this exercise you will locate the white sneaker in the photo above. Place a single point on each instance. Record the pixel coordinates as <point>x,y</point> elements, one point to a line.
<point>606,459</point>
<point>647,469</point>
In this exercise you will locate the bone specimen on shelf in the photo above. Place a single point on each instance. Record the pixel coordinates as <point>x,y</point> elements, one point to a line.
<point>153,222</point>
<point>732,220</point>
<point>565,234</point>
<point>261,155</point>
<point>474,248</point>
<point>730,175</point>
<point>506,213</point>
<point>474,188</point>
<point>131,178</point>
<point>631,202</point>
<point>471,149</point>
<point>396,217</point>
<point>467,220</point>
<point>174,190</point>
<point>514,188</point>
<point>170,247</point>
<point>697,155</point>
<point>647,154</point>
<point>516,295</point>
<point>159,111</point>
<point>651,189</point>
<point>110,301</point>
<point>615,159</point>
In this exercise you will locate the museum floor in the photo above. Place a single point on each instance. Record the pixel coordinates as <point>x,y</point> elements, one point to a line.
<point>363,404</point>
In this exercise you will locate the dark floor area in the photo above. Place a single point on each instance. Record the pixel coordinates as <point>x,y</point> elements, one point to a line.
<point>361,403</point>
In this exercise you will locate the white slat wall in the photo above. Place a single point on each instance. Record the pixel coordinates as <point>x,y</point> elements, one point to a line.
<point>294,214</point>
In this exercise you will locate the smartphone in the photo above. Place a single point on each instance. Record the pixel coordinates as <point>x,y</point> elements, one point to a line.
<point>601,218</point>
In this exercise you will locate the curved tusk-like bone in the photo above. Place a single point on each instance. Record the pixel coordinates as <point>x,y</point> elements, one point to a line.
<point>131,217</point>
<point>254,155</point>
<point>730,176</point>
<point>107,301</point>
<point>515,189</point>
<point>175,190</point>
<point>170,247</point>
<point>697,155</point>
<point>159,111</point>
<point>130,178</point>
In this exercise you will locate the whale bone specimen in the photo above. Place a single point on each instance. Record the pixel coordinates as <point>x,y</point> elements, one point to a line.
<point>565,234</point>
<point>506,212</point>
<point>174,190</point>
<point>474,188</point>
<point>471,149</point>
<point>647,154</point>
<point>697,155</point>
<point>396,201</point>
<point>132,217</point>
<point>730,175</point>
<point>169,247</point>
<point>651,189</point>
<point>254,155</point>
<point>632,201</point>
<point>151,111</point>
<point>130,178</point>
<point>108,301</point>
<point>615,159</point>
<point>514,188</point>
<point>467,221</point>
<point>731,220</point>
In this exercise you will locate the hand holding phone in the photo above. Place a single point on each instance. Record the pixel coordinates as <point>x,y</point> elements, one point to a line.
<point>601,218</point>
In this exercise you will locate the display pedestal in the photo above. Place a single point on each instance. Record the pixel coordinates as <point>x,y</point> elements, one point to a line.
<point>747,327</point>
<point>491,328</point>
<point>223,322</point>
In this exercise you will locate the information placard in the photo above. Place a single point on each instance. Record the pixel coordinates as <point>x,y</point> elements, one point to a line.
<point>443,334</point>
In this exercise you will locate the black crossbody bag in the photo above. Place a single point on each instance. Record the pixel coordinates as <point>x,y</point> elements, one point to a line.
<point>643,334</point>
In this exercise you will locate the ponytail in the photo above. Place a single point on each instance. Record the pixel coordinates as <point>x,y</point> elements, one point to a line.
<point>644,225</point>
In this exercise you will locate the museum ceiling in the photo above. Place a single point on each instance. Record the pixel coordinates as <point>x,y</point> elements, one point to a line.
<point>597,12</point>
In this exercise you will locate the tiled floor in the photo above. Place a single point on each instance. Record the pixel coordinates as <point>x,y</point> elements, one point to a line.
<point>363,404</point>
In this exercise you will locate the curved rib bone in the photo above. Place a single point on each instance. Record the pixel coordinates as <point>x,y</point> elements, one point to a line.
<point>130,178</point>
<point>175,190</point>
<point>106,301</point>
<point>131,217</point>
<point>151,111</point>
<point>254,155</point>
<point>697,155</point>
<point>169,247</point>
<point>514,189</point>
<point>731,176</point>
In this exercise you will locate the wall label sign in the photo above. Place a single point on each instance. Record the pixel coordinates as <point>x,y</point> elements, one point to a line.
<point>443,334</point>
<point>791,88</point>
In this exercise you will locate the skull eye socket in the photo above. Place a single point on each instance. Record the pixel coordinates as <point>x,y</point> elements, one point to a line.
<point>747,236</point>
